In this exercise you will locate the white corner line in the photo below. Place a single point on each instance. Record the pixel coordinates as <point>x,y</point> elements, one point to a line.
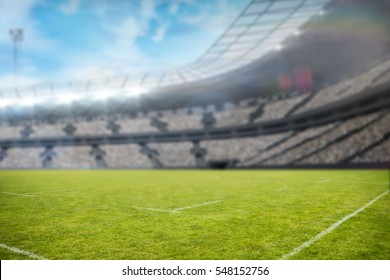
<point>331,228</point>
<point>177,209</point>
<point>323,181</point>
<point>23,252</point>
<point>48,192</point>
<point>193,206</point>
<point>152,209</point>
<point>19,194</point>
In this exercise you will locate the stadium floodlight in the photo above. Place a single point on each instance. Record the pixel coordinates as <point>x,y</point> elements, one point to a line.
<point>136,91</point>
<point>278,47</point>
<point>102,95</point>
<point>4,103</point>
<point>16,37</point>
<point>27,102</point>
<point>66,98</point>
<point>297,32</point>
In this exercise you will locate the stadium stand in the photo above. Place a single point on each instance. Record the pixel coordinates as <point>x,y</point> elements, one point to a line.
<point>238,149</point>
<point>48,130</point>
<point>91,128</point>
<point>182,122</point>
<point>126,156</point>
<point>288,143</point>
<point>305,149</point>
<point>175,154</point>
<point>137,125</point>
<point>10,132</point>
<point>279,109</point>
<point>236,116</point>
<point>345,88</point>
<point>237,122</point>
<point>22,158</point>
<point>378,153</point>
<point>341,150</point>
<point>73,157</point>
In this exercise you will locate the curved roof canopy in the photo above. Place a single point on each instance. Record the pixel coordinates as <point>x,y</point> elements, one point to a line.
<point>262,27</point>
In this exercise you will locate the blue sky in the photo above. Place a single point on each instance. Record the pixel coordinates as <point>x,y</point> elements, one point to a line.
<point>84,39</point>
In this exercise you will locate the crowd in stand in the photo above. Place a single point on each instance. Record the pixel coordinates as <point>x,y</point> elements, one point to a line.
<point>317,143</point>
<point>239,149</point>
<point>332,143</point>
<point>337,152</point>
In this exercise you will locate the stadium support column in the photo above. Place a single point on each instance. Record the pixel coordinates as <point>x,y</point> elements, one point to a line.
<point>17,38</point>
<point>208,120</point>
<point>152,155</point>
<point>113,127</point>
<point>26,131</point>
<point>47,157</point>
<point>99,156</point>
<point>160,125</point>
<point>199,154</point>
<point>3,153</point>
<point>69,129</point>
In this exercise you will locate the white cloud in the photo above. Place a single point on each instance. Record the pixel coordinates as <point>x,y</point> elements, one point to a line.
<point>160,33</point>
<point>175,4</point>
<point>119,55</point>
<point>70,8</point>
<point>117,51</point>
<point>148,8</point>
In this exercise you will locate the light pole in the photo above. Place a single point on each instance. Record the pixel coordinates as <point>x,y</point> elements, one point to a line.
<point>17,38</point>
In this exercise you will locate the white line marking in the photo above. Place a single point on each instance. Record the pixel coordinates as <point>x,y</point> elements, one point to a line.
<point>178,209</point>
<point>152,209</point>
<point>281,189</point>
<point>331,228</point>
<point>197,205</point>
<point>323,181</point>
<point>23,252</point>
<point>49,191</point>
<point>20,194</point>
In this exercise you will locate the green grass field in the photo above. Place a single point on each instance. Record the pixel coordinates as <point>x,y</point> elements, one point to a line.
<point>219,214</point>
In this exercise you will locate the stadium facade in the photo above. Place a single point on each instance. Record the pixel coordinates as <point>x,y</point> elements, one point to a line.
<point>279,88</point>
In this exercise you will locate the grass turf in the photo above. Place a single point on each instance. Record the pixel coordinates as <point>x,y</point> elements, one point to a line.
<point>263,214</point>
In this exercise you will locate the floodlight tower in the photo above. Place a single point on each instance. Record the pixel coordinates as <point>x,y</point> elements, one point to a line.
<point>17,38</point>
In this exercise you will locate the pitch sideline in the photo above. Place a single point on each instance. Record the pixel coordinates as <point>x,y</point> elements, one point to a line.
<point>331,228</point>
<point>20,251</point>
<point>178,209</point>
<point>18,194</point>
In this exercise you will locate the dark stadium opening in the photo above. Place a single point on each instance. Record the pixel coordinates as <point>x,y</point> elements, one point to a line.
<point>223,164</point>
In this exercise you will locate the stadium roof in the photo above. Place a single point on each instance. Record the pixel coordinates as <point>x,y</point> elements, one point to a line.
<point>262,27</point>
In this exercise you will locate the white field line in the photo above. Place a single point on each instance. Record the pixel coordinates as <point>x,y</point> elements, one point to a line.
<point>281,189</point>
<point>49,191</point>
<point>152,209</point>
<point>197,205</point>
<point>19,194</point>
<point>331,228</point>
<point>351,182</point>
<point>178,209</point>
<point>20,251</point>
<point>323,181</point>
